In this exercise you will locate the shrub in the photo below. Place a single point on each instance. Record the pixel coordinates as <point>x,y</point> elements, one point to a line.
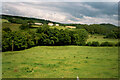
<point>24,26</point>
<point>95,43</point>
<point>107,44</point>
<point>118,44</point>
<point>7,29</point>
<point>111,35</point>
<point>88,44</point>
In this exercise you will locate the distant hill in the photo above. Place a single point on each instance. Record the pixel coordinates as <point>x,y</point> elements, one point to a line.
<point>110,30</point>
<point>23,19</point>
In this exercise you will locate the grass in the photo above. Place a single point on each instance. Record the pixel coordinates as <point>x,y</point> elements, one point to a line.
<point>61,61</point>
<point>4,21</point>
<point>100,39</point>
<point>15,27</point>
<point>12,26</point>
<point>36,26</point>
<point>58,27</point>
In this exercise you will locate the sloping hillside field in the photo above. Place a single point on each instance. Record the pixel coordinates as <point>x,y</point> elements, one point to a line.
<point>61,61</point>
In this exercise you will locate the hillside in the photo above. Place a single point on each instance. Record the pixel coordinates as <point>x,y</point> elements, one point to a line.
<point>108,30</point>
<point>22,19</point>
<point>42,51</point>
<point>8,17</point>
<point>52,35</point>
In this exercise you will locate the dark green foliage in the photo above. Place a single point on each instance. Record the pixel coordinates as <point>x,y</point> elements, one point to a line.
<point>109,30</point>
<point>5,41</point>
<point>52,36</point>
<point>88,44</point>
<point>16,20</point>
<point>117,32</point>
<point>107,44</point>
<point>21,40</point>
<point>83,36</point>
<point>111,35</point>
<point>7,29</point>
<point>62,37</point>
<point>118,44</point>
<point>24,26</point>
<point>95,43</point>
<point>43,36</point>
<point>21,20</point>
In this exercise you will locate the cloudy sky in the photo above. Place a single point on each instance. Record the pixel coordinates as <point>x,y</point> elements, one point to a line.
<point>66,12</point>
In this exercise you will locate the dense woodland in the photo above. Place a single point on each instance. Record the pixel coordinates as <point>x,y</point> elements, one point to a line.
<point>46,36</point>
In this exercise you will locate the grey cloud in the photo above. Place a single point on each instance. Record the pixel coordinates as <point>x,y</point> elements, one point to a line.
<point>60,1</point>
<point>77,12</point>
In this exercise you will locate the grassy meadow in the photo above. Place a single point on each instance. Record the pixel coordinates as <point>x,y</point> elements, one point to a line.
<point>12,26</point>
<point>61,61</point>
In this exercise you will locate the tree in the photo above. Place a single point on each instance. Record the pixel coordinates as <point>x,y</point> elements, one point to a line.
<point>95,43</point>
<point>24,26</point>
<point>111,35</point>
<point>81,36</point>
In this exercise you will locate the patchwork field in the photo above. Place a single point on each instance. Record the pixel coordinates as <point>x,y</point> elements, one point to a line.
<point>61,61</point>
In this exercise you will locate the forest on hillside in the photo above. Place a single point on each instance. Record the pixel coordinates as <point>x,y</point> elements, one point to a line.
<point>46,36</point>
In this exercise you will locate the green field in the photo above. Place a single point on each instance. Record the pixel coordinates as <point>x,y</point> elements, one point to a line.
<point>100,39</point>
<point>12,26</point>
<point>61,61</point>
<point>59,27</point>
<point>4,21</point>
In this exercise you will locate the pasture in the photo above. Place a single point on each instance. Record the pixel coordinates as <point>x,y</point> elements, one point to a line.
<point>4,21</point>
<point>12,26</point>
<point>61,61</point>
<point>100,39</point>
<point>59,27</point>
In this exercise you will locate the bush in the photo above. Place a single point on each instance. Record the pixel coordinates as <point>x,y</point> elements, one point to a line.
<point>111,35</point>
<point>118,44</point>
<point>107,44</point>
<point>20,40</point>
<point>95,43</point>
<point>7,29</point>
<point>24,26</point>
<point>88,44</point>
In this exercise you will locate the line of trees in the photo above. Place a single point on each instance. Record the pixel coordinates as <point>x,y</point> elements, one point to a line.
<point>23,39</point>
<point>109,30</point>
<point>45,36</point>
